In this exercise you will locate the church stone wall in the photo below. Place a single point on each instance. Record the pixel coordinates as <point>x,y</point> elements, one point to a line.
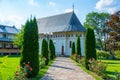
<point>63,39</point>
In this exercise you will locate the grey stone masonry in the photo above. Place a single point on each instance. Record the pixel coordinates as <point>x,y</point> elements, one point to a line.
<point>64,69</point>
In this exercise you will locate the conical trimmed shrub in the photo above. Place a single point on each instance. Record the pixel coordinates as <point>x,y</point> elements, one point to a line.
<point>90,44</point>
<point>44,51</point>
<point>30,47</point>
<point>51,49</point>
<point>78,46</point>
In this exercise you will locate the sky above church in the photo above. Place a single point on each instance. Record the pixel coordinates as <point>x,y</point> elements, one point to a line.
<point>16,12</point>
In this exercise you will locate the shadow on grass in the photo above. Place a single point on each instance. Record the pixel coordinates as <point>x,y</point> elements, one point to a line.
<point>113,62</point>
<point>110,72</point>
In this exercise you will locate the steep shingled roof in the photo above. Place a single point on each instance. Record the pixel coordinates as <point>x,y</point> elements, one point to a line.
<point>60,23</point>
<point>8,29</point>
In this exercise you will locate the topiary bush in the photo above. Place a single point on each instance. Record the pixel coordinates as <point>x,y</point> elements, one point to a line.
<point>90,51</point>
<point>30,47</point>
<point>44,51</point>
<point>78,47</point>
<point>51,49</point>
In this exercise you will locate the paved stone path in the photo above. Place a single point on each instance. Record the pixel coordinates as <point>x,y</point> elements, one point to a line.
<point>64,69</point>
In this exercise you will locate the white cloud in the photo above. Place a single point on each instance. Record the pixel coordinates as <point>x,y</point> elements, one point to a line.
<point>70,10</point>
<point>12,20</point>
<point>32,3</point>
<point>53,4</point>
<point>107,5</point>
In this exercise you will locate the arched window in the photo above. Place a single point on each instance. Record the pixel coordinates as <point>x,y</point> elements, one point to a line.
<point>70,44</point>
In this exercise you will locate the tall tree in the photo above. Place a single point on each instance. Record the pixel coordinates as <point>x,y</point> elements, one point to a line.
<point>114,32</point>
<point>90,44</point>
<point>44,51</point>
<point>51,49</point>
<point>73,48</point>
<point>30,47</point>
<point>97,21</point>
<point>78,46</point>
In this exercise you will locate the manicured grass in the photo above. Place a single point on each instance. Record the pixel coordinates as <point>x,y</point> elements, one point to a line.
<point>113,66</point>
<point>8,67</point>
<point>89,72</point>
<point>11,63</point>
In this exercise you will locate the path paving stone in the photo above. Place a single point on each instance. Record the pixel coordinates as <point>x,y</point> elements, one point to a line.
<point>64,69</point>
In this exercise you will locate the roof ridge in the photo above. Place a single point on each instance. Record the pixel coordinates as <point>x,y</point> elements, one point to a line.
<point>56,15</point>
<point>8,26</point>
<point>70,17</point>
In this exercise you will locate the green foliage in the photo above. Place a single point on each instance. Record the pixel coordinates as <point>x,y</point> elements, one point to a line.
<point>117,54</point>
<point>117,75</point>
<point>41,61</point>
<point>44,51</point>
<point>102,54</point>
<point>19,38</point>
<point>90,51</point>
<point>73,48</point>
<point>98,67</point>
<point>30,47</point>
<point>51,50</point>
<point>78,47</point>
<point>97,21</point>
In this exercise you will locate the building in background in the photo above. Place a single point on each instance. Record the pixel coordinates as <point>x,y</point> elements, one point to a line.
<point>7,34</point>
<point>63,29</point>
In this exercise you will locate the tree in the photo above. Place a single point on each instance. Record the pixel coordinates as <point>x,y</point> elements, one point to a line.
<point>97,21</point>
<point>51,49</point>
<point>90,51</point>
<point>19,38</point>
<point>44,51</point>
<point>30,47</point>
<point>113,29</point>
<point>78,46</point>
<point>73,48</point>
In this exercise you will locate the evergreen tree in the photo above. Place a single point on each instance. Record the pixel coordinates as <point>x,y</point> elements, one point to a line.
<point>30,47</point>
<point>51,49</point>
<point>78,46</point>
<point>44,51</point>
<point>90,51</point>
<point>73,48</point>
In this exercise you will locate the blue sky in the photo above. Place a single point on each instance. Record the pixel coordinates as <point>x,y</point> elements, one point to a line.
<point>16,12</point>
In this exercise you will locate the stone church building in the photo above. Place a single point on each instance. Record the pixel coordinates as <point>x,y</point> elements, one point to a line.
<point>63,29</point>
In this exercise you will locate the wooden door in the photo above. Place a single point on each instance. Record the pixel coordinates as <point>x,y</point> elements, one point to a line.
<point>62,50</point>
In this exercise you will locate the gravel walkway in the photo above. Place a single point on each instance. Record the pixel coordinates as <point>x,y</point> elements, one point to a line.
<point>64,69</point>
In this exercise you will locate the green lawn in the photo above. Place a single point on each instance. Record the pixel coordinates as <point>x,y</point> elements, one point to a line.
<point>7,70</point>
<point>113,66</point>
<point>8,67</point>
